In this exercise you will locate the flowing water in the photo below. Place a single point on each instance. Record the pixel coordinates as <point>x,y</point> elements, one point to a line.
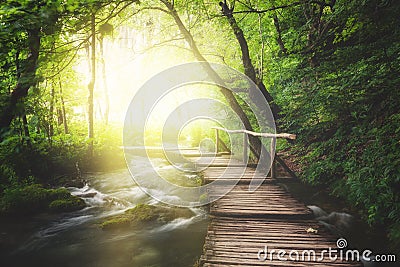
<point>343,222</point>
<point>75,239</point>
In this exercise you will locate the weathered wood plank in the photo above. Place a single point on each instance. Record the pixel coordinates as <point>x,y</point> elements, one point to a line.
<point>244,222</point>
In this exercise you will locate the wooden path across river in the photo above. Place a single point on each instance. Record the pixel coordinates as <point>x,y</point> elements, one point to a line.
<point>246,226</point>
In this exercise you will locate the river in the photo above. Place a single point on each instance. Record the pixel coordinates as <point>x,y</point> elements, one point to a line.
<point>75,239</point>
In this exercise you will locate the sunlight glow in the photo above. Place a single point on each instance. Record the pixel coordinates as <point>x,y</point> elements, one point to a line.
<point>129,63</point>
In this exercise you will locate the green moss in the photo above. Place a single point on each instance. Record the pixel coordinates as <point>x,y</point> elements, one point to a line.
<point>116,222</point>
<point>25,200</point>
<point>71,203</point>
<point>59,193</point>
<point>146,213</point>
<point>34,199</point>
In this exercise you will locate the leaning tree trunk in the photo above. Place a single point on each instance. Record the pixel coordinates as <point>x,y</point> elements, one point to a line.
<point>249,69</point>
<point>255,143</point>
<point>25,81</point>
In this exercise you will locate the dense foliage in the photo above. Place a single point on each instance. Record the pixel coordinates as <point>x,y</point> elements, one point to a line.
<point>338,86</point>
<point>41,136</point>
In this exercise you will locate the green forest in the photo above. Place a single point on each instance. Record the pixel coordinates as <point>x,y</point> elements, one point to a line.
<point>329,69</point>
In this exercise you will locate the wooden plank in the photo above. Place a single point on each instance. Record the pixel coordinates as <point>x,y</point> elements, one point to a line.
<point>270,135</point>
<point>244,222</point>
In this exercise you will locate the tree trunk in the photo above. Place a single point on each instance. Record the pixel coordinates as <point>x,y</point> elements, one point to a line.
<point>60,118</point>
<point>51,111</point>
<point>104,77</point>
<point>91,85</point>
<point>25,81</point>
<point>279,37</point>
<point>249,69</point>
<point>229,96</point>
<point>260,32</point>
<point>26,128</point>
<point>63,113</point>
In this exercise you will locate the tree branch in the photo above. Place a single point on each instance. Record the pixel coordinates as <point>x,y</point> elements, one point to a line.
<point>279,31</point>
<point>253,10</point>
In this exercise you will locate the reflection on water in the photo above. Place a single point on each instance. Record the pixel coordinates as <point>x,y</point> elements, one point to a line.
<point>75,239</point>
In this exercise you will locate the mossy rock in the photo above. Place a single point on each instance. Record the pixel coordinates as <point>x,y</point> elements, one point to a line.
<point>59,193</point>
<point>69,204</point>
<point>144,213</point>
<point>116,222</point>
<point>33,199</point>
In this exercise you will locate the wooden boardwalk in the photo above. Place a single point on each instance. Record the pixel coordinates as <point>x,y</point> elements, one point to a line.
<point>244,225</point>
